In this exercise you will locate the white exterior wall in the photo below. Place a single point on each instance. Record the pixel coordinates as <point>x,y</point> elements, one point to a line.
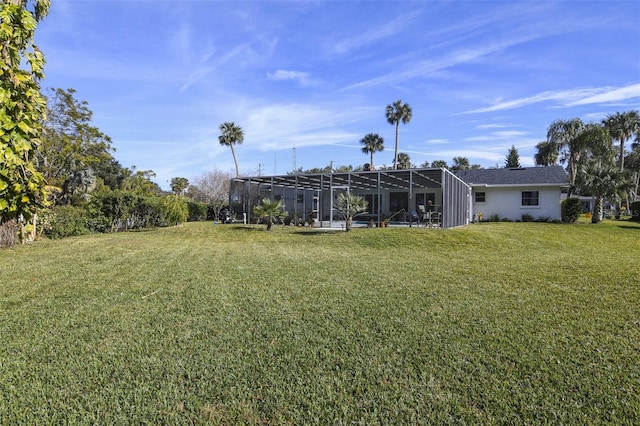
<point>506,202</point>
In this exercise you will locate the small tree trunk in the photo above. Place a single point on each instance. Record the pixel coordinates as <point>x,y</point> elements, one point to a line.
<point>348,224</point>
<point>269,224</point>
<point>8,233</point>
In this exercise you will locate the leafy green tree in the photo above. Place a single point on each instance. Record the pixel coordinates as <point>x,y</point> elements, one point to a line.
<point>230,135</point>
<point>175,208</point>
<point>546,154</point>
<point>72,150</point>
<point>396,113</point>
<point>622,126</point>
<point>179,184</point>
<point>513,158</point>
<point>22,110</point>
<point>270,210</point>
<point>373,143</point>
<point>349,205</point>
<point>139,182</point>
<point>110,172</point>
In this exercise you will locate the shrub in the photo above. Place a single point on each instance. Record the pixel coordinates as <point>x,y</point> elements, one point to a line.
<point>634,211</point>
<point>120,210</point>
<point>545,219</point>
<point>175,209</point>
<point>494,218</point>
<point>197,211</point>
<point>66,221</point>
<point>526,217</point>
<point>571,209</point>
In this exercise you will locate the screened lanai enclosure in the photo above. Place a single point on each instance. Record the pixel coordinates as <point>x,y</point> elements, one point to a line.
<point>399,197</point>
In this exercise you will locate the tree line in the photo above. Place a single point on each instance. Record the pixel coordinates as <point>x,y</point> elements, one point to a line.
<point>596,167</point>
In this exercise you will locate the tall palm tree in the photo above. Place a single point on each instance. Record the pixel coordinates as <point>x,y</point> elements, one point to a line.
<point>547,154</point>
<point>231,134</point>
<point>622,126</point>
<point>565,134</point>
<point>372,142</point>
<point>398,112</point>
<point>404,161</point>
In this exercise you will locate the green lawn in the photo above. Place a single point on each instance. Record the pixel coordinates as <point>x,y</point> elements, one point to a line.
<point>496,323</point>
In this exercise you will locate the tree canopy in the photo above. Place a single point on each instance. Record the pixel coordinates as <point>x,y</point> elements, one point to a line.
<point>22,110</point>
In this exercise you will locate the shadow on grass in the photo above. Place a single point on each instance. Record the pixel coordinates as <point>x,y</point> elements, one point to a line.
<point>635,228</point>
<point>249,228</point>
<point>312,232</point>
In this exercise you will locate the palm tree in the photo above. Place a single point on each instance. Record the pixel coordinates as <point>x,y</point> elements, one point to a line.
<point>622,126</point>
<point>439,164</point>
<point>404,161</point>
<point>372,142</point>
<point>398,112</point>
<point>460,163</point>
<point>597,174</point>
<point>547,154</point>
<point>633,165</point>
<point>231,134</point>
<point>603,180</point>
<point>350,204</point>
<point>564,134</point>
<point>270,210</point>
<point>179,184</point>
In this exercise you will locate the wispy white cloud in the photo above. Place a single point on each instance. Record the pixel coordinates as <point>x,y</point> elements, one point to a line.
<point>390,29</point>
<point>280,126</point>
<point>302,78</point>
<point>437,141</point>
<point>425,68</point>
<point>492,126</point>
<point>610,95</point>
<point>571,97</point>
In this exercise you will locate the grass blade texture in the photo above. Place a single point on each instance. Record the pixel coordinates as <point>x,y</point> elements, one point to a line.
<point>495,323</point>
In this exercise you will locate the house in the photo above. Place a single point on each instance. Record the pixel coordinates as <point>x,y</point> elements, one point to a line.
<point>400,195</point>
<point>510,193</point>
<point>396,195</point>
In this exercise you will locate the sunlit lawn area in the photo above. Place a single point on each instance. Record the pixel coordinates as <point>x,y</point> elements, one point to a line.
<point>496,323</point>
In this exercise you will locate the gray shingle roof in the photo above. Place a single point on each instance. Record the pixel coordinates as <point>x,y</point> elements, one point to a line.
<point>515,176</point>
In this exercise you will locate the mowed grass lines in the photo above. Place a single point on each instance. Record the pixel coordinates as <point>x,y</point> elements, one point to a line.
<point>202,324</point>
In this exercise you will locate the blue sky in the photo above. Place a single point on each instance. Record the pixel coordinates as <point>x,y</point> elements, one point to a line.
<point>160,77</point>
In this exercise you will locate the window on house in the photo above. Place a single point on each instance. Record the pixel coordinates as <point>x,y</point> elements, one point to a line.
<point>480,197</point>
<point>372,203</point>
<point>530,198</point>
